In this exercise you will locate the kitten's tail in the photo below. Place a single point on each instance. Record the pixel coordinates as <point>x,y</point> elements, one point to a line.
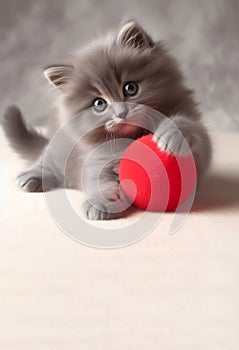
<point>25,140</point>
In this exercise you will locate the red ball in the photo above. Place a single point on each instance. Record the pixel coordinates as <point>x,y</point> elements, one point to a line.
<point>154,179</point>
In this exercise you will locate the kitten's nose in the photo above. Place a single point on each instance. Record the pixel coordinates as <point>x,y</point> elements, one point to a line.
<point>123,115</point>
<point>120,109</point>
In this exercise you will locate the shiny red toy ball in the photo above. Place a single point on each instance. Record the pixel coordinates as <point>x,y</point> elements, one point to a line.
<point>154,179</point>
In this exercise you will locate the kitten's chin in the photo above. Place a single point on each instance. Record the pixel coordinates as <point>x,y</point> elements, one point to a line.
<point>125,129</point>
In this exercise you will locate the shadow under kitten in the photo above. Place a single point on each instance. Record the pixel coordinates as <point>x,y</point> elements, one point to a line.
<point>217,192</point>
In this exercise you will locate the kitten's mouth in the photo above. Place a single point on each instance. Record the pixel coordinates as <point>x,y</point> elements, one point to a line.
<point>122,127</point>
<point>126,129</point>
<point>134,125</point>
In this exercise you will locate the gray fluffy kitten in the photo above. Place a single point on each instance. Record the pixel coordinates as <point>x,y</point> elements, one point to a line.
<point>112,84</point>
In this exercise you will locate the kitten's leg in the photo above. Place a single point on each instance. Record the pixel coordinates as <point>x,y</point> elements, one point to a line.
<point>175,134</point>
<point>32,179</point>
<point>109,202</point>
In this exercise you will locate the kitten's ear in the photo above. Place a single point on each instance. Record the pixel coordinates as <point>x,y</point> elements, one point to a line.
<point>133,35</point>
<point>58,74</point>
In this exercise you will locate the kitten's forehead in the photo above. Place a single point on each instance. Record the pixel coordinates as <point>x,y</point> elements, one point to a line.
<point>104,69</point>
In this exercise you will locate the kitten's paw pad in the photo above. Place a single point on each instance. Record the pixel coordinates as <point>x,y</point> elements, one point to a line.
<point>172,141</point>
<point>29,182</point>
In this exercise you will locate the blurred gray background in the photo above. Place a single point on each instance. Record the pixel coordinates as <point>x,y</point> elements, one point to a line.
<point>203,35</point>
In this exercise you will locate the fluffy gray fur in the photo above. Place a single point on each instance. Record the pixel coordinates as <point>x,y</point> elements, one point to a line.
<point>101,70</point>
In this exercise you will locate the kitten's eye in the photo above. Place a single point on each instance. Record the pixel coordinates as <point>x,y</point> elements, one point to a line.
<point>130,89</point>
<point>99,105</point>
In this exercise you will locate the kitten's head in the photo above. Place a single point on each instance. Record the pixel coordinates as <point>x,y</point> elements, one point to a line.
<point>116,77</point>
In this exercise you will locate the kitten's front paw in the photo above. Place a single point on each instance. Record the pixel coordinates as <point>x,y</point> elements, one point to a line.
<point>172,140</point>
<point>113,207</point>
<point>32,180</point>
<point>96,212</point>
<point>99,211</point>
<point>29,182</point>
